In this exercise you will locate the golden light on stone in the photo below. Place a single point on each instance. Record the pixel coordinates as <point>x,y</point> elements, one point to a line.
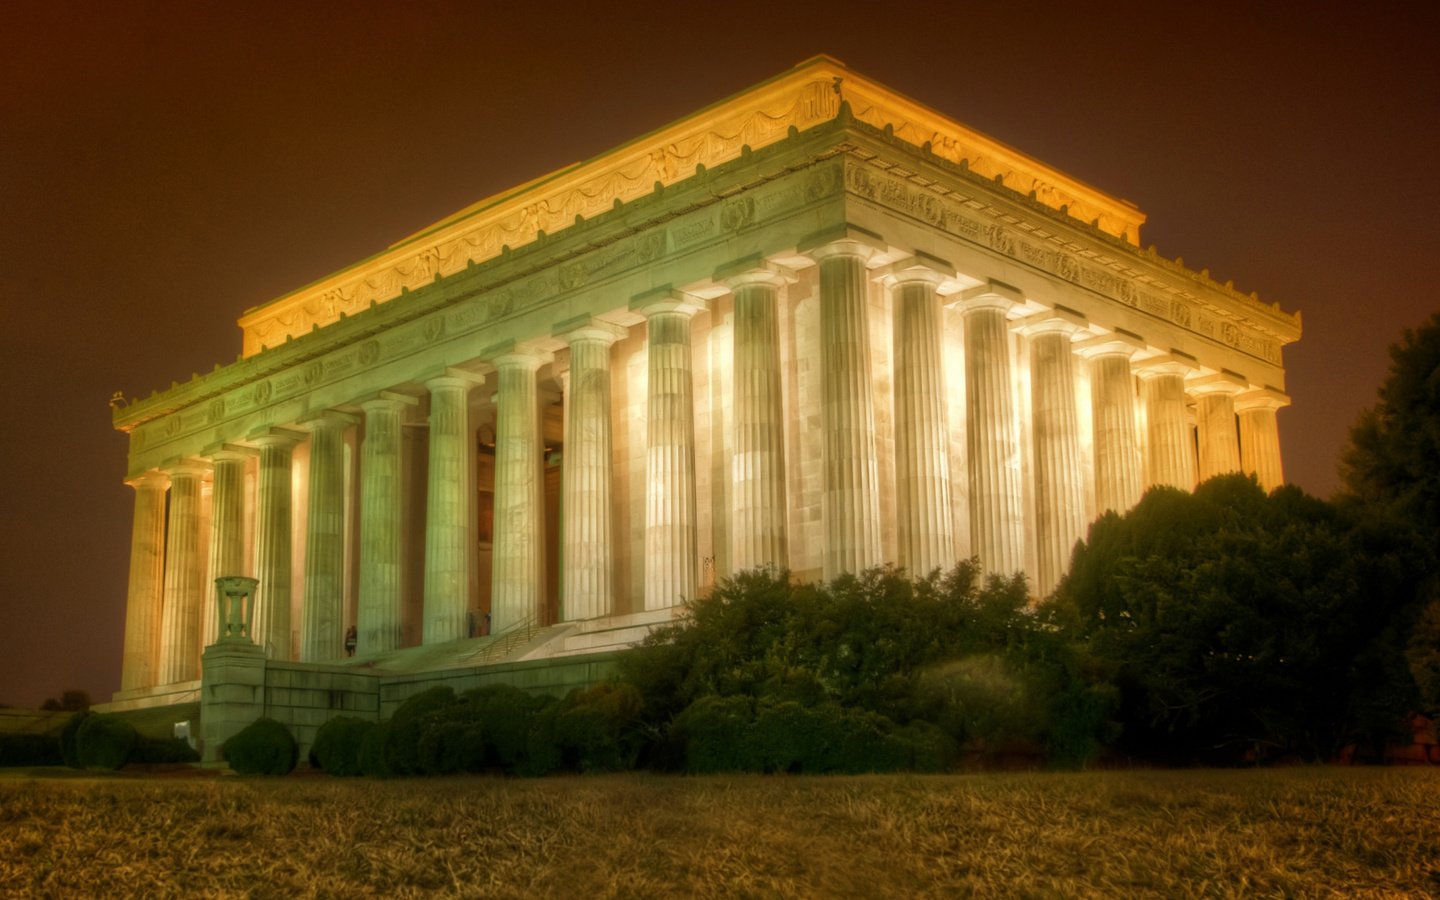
<point>815,325</point>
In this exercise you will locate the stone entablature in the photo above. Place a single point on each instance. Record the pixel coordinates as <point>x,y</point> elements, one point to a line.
<point>721,204</point>
<point>815,92</point>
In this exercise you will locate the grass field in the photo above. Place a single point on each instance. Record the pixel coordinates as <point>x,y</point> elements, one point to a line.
<point>1287,832</point>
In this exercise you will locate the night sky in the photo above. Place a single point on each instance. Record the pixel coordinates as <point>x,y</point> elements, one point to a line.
<point>164,166</point>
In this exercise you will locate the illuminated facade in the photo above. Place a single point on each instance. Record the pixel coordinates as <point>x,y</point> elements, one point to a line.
<point>815,325</point>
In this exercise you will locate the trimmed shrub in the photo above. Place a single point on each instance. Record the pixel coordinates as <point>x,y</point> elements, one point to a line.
<point>543,754</point>
<point>104,742</point>
<point>338,743</point>
<point>402,740</point>
<point>508,716</point>
<point>594,727</point>
<point>264,747</point>
<point>447,747</point>
<point>68,753</point>
<point>713,734</point>
<point>372,752</point>
<point>29,750</point>
<point>162,751</point>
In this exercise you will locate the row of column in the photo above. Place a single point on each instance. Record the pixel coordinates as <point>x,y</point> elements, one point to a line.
<point>166,595</point>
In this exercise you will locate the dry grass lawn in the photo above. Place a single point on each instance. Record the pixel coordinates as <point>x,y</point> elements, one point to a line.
<point>1289,832</point>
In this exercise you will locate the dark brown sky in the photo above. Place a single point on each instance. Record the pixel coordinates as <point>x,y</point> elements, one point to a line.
<point>165,165</point>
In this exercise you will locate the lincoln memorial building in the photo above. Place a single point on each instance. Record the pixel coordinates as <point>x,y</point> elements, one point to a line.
<point>816,326</point>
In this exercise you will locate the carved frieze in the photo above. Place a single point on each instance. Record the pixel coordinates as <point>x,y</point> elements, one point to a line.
<point>871,183</point>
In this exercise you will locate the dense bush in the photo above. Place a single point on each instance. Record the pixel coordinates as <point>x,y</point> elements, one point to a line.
<point>104,742</point>
<point>411,719</point>
<point>337,745</point>
<point>516,739</point>
<point>264,747</point>
<point>1231,624</point>
<point>449,746</point>
<point>372,752</point>
<point>30,750</point>
<point>962,660</point>
<point>162,751</point>
<point>68,752</point>
<point>595,728</point>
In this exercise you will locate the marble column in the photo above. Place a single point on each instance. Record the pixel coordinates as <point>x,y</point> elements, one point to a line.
<point>996,501</point>
<point>184,576</point>
<point>1260,435</point>
<point>1170,446</point>
<point>323,608</point>
<point>587,539</point>
<point>757,474</point>
<point>850,507</point>
<point>1118,478</point>
<point>227,526</point>
<point>1216,436</point>
<point>519,546</point>
<point>926,537</point>
<point>377,624</point>
<point>1060,517</point>
<point>144,602</point>
<point>671,577</point>
<point>447,509</point>
<point>273,551</point>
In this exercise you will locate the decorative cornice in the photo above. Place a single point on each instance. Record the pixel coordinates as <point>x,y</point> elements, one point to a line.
<point>817,91</point>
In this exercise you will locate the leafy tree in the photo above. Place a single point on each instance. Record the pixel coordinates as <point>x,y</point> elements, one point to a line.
<point>1393,460</point>
<point>1392,470</point>
<point>1230,622</point>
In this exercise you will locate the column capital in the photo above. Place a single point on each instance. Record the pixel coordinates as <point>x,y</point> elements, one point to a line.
<point>323,418</point>
<point>222,452</point>
<point>1221,382</point>
<point>990,295</point>
<point>1261,398</point>
<point>185,465</point>
<point>382,400</point>
<point>588,328</point>
<point>841,240</point>
<point>516,354</point>
<point>1117,343</point>
<point>452,377</point>
<point>1165,364</point>
<point>152,478</point>
<point>666,298</point>
<point>1058,320</point>
<point>922,268</point>
<point>271,436</point>
<point>754,269</point>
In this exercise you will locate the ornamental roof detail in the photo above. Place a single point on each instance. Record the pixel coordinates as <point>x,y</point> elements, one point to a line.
<point>815,92</point>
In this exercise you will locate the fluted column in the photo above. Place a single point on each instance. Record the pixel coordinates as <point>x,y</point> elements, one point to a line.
<point>757,474</point>
<point>378,618</point>
<point>587,542</point>
<point>1170,447</point>
<point>996,503</point>
<point>1060,518</point>
<point>518,569</point>
<point>1118,479</point>
<point>273,550</point>
<point>922,443</point>
<point>227,526</point>
<point>184,573</point>
<point>144,602</point>
<point>1219,445</point>
<point>670,512</point>
<point>1260,435</point>
<point>447,509</point>
<point>850,509</point>
<point>323,609</point>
